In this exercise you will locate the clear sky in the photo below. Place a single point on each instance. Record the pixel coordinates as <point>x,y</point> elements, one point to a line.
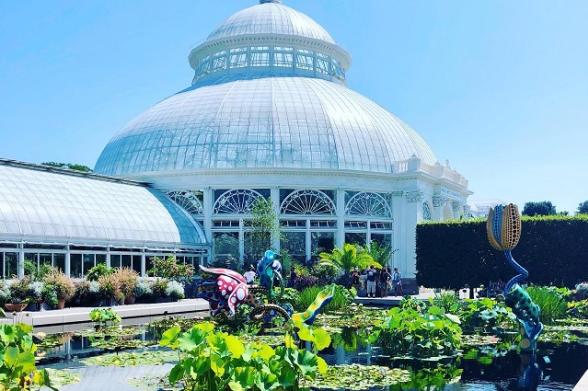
<point>498,87</point>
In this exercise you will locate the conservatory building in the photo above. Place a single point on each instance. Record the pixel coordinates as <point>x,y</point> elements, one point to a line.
<point>268,115</point>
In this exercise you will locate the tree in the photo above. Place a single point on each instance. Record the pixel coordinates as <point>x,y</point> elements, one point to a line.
<point>381,253</point>
<point>542,208</point>
<point>264,226</point>
<point>346,258</point>
<point>583,207</point>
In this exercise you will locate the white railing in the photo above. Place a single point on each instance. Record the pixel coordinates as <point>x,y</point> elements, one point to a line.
<point>437,170</point>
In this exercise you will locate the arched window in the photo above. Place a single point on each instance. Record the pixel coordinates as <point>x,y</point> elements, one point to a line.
<point>235,202</point>
<point>188,201</point>
<point>368,205</point>
<point>308,202</point>
<point>427,211</point>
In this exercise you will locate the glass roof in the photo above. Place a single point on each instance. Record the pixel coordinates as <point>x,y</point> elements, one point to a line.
<point>37,205</point>
<point>282,122</point>
<point>271,18</point>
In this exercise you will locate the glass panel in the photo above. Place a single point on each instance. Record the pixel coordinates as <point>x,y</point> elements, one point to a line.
<point>10,260</point>
<point>304,61</point>
<point>30,263</point>
<point>321,242</point>
<point>126,261</point>
<point>59,261</point>
<point>45,259</point>
<point>285,60</point>
<point>148,263</point>
<point>88,262</point>
<point>226,245</point>
<point>137,263</point>
<point>356,238</point>
<point>100,258</point>
<point>260,59</point>
<point>255,245</point>
<point>294,243</point>
<point>75,267</point>
<point>115,261</point>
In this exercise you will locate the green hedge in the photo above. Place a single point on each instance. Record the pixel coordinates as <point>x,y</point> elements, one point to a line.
<point>452,254</point>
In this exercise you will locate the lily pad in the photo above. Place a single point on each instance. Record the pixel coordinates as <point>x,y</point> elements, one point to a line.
<point>129,359</point>
<point>357,377</point>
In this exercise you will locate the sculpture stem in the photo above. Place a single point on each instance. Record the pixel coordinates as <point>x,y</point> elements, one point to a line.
<point>522,276</point>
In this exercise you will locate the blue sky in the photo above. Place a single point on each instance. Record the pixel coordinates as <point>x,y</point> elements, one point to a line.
<point>498,87</point>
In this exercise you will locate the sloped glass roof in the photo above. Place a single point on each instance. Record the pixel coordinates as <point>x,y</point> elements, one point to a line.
<point>269,122</point>
<point>37,205</point>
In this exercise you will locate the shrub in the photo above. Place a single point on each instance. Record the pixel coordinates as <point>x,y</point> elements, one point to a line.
<point>109,287</point>
<point>63,285</point>
<point>36,291</point>
<point>552,303</point>
<point>143,289</point>
<point>50,295</point>
<point>20,290</point>
<point>127,280</point>
<point>170,268</point>
<point>456,254</point>
<point>408,332</point>
<point>325,273</point>
<point>349,257</point>
<point>303,278</point>
<point>159,286</point>
<point>87,293</point>
<point>98,271</point>
<point>581,291</point>
<point>486,315</point>
<point>5,295</point>
<point>213,360</point>
<point>174,290</point>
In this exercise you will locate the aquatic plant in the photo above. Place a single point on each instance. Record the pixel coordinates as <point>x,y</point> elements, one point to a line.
<point>17,363</point>
<point>410,333</point>
<point>104,317</point>
<point>550,300</point>
<point>578,309</point>
<point>485,315</point>
<point>342,299</point>
<point>212,360</point>
<point>357,377</point>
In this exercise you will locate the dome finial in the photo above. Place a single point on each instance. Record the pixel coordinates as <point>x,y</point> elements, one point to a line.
<point>269,1</point>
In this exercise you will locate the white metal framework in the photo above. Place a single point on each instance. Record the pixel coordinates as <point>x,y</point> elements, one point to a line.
<point>308,202</point>
<point>236,202</point>
<point>369,205</point>
<point>187,200</point>
<point>427,211</point>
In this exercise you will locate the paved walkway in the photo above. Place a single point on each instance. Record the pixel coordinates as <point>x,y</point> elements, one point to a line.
<point>70,319</point>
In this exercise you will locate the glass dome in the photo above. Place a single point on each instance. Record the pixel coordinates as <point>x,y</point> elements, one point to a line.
<point>273,98</point>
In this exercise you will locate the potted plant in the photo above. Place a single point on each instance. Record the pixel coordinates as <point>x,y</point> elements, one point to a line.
<point>159,286</point>
<point>4,293</point>
<point>110,289</point>
<point>63,285</point>
<point>174,290</point>
<point>36,295</point>
<point>127,281</point>
<point>143,291</point>
<point>49,294</point>
<point>19,295</point>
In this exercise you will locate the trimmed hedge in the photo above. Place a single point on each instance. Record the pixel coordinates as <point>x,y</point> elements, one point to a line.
<point>554,249</point>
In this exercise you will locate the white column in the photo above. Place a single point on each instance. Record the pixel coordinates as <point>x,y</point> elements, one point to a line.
<point>20,262</point>
<point>108,257</point>
<point>207,205</point>
<point>340,236</point>
<point>397,228</point>
<point>275,197</point>
<point>143,264</point>
<point>308,239</point>
<point>3,265</point>
<point>241,241</point>
<point>67,261</point>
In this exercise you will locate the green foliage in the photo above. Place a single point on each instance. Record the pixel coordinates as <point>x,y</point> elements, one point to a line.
<point>485,315</point>
<point>358,377</point>
<point>170,268</point>
<point>428,334</point>
<point>98,271</point>
<point>264,225</point>
<point>348,257</point>
<point>70,166</point>
<point>550,300</point>
<point>105,317</point>
<point>17,365</point>
<point>341,300</point>
<point>212,360</point>
<point>131,359</point>
<point>583,207</point>
<point>455,254</point>
<point>381,253</point>
<point>62,284</point>
<point>578,309</point>
<point>541,208</point>
<point>19,291</point>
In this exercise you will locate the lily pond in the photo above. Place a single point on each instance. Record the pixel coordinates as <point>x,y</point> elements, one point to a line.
<point>360,352</point>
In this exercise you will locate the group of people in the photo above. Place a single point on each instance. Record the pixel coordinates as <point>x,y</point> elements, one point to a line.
<point>378,282</point>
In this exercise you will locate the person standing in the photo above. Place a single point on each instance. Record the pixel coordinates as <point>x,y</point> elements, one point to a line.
<point>397,282</point>
<point>385,278</point>
<point>250,275</point>
<point>371,281</point>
